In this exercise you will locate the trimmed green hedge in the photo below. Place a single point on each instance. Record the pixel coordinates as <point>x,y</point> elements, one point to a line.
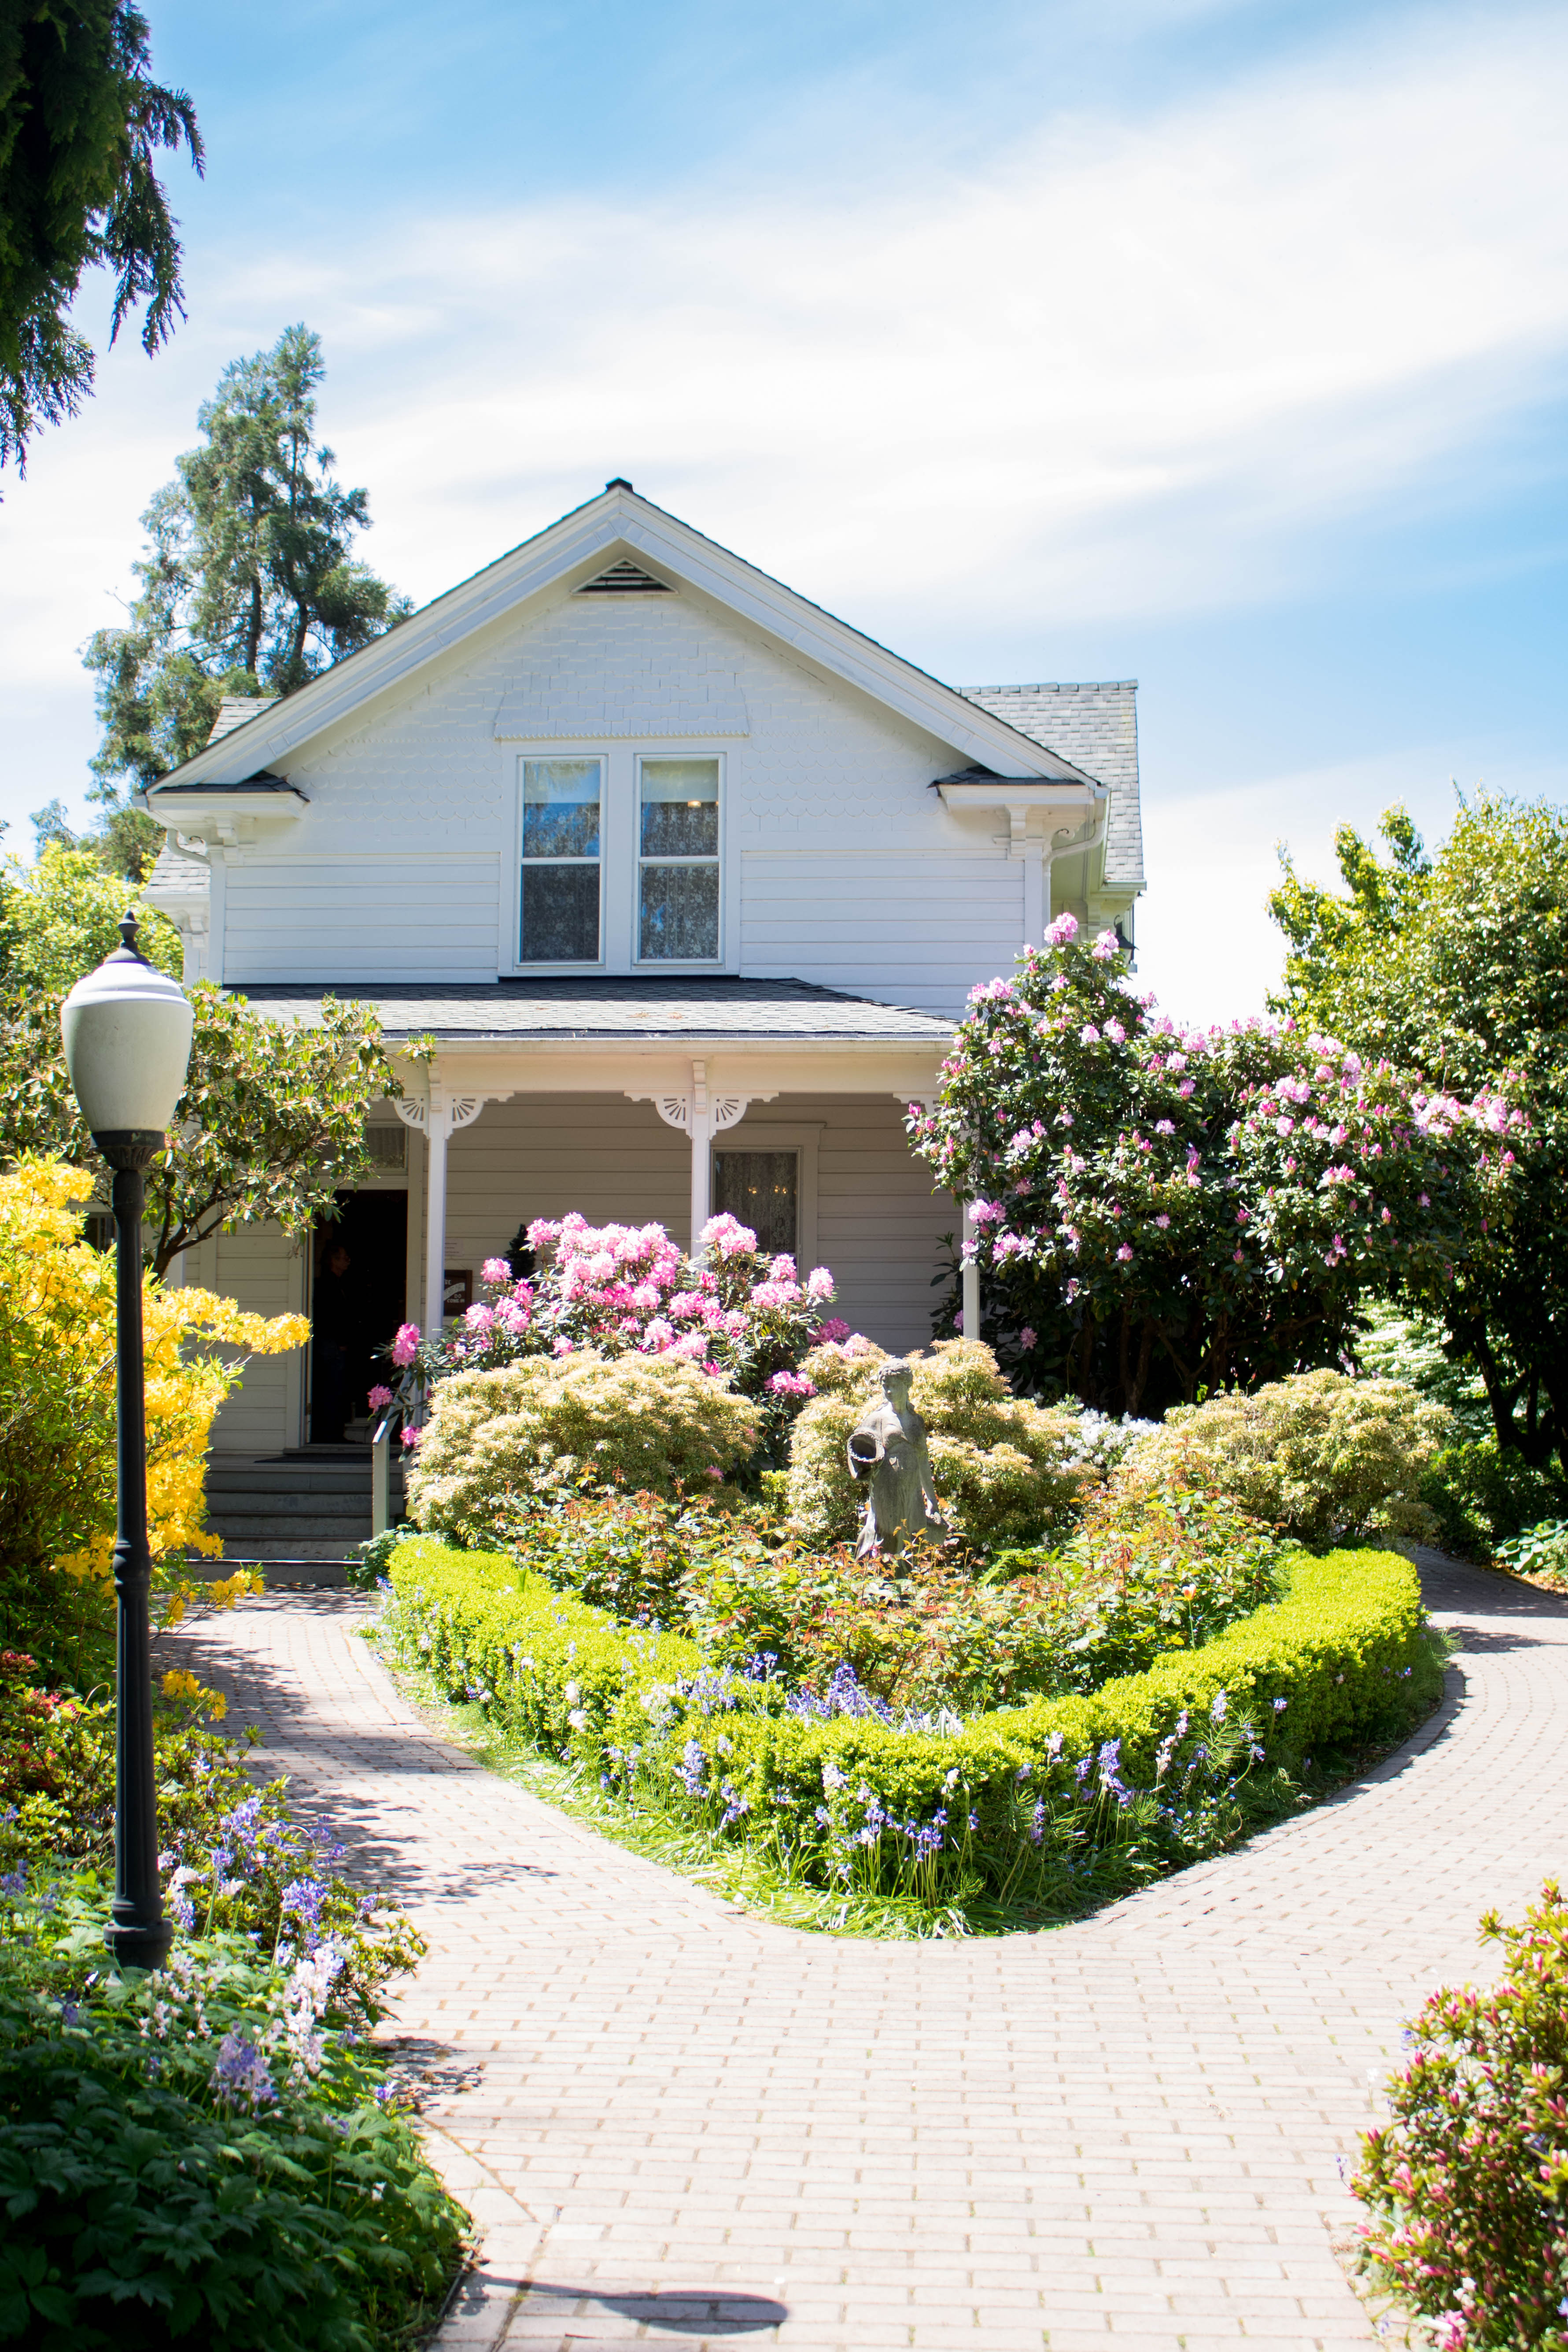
<point>1049,1802</point>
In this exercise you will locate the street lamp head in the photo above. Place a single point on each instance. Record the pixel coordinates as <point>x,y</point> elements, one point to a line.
<point>127,1030</point>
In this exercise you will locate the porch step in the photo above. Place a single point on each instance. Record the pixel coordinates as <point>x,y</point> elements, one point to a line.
<point>317,1497</point>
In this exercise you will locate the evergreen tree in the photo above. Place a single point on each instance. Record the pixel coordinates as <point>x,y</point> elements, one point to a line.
<point>80,122</point>
<point>249,582</point>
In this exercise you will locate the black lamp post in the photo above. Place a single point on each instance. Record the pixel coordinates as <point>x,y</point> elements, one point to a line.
<point>128,1041</point>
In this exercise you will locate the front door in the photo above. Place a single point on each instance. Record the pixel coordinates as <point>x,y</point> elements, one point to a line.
<point>358,1298</point>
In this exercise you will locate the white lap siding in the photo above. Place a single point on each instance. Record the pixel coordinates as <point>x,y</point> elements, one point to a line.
<point>346,920</point>
<point>912,928</point>
<point>878,1218</point>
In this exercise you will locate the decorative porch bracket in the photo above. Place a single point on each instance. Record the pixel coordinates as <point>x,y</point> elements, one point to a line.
<point>701,1115</point>
<point>439,1114</point>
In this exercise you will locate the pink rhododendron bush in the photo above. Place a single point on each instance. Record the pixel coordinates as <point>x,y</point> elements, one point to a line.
<point>1164,1213</point>
<point>732,1312</point>
<point>1005,1470</point>
<point>1467,2186</point>
<point>497,1442</point>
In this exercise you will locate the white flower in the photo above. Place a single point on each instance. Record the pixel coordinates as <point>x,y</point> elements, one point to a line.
<point>578,1720</point>
<point>573,1693</point>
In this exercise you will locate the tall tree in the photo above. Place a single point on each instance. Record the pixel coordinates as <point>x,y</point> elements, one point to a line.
<point>1459,965</point>
<point>80,123</point>
<point>250,584</point>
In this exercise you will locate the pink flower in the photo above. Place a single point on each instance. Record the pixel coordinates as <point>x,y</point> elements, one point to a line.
<point>1426,1201</point>
<point>1089,1034</point>
<point>783,1268</point>
<point>1116,1032</point>
<point>563,1346</point>
<point>1240,1257</point>
<point>658,1334</point>
<point>834,1328</point>
<point>820,1283</point>
<point>405,1346</point>
<point>958,1320</point>
<point>1028,1337</point>
<point>1125,1251</point>
<point>1106,945</point>
<point>1062,933</point>
<point>378,1397</point>
<point>776,1293</point>
<point>1164,1127</point>
<point>727,1235</point>
<point>412,1437</point>
<point>792,1384</point>
<point>495,1269</point>
<point>1184,1089</point>
<point>479,1317</point>
<point>1162,1221</point>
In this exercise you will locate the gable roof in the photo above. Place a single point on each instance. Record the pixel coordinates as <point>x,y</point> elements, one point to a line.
<point>1095,726</point>
<point>619,526</point>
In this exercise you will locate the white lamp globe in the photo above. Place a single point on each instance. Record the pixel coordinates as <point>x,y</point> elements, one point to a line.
<point>127,1030</point>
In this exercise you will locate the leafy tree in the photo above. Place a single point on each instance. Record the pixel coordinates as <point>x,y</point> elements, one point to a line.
<point>249,582</point>
<point>125,841</point>
<point>1458,964</point>
<point>1164,1213</point>
<point>271,1122</point>
<point>80,123</point>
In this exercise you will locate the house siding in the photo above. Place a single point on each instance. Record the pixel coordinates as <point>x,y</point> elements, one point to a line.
<point>906,930</point>
<point>264,1271</point>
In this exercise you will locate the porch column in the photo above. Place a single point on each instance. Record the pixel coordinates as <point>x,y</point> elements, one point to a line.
<point>438,1116</point>
<point>971,1285</point>
<point>701,1114</point>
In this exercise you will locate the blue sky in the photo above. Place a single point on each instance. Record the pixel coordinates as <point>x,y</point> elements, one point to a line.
<point>1223,346</point>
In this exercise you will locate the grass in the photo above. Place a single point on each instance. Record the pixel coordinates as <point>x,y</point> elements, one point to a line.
<point>739,1876</point>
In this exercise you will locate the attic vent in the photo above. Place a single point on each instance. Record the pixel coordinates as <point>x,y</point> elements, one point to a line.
<point>625,579</point>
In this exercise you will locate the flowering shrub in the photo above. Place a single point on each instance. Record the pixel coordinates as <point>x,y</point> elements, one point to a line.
<point>1321,1457</point>
<point>1166,1210</point>
<point>495,1438</point>
<point>1003,1467</point>
<point>197,2154</point>
<point>58,1414</point>
<point>620,1289</point>
<point>232,1859</point>
<point>1050,1802</point>
<point>1468,2186</point>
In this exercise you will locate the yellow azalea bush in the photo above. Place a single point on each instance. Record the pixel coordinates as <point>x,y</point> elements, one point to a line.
<point>58,1406</point>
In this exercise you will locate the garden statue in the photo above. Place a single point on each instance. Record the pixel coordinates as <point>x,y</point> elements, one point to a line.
<point>890,1450</point>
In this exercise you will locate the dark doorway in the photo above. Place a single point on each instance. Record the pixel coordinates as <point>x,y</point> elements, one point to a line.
<point>358,1298</point>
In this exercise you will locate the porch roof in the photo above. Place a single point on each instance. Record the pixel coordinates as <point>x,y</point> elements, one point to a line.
<point>718,1010</point>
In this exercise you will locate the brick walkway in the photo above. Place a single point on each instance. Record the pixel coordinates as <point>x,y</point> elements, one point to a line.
<point>679,2125</point>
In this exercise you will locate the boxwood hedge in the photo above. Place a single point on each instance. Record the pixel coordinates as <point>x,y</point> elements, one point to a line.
<point>1046,1803</point>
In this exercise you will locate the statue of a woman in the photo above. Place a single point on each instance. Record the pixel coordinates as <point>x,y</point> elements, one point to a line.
<point>888,1450</point>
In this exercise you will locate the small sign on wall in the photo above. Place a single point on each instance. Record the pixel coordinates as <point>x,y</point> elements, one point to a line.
<point>457,1291</point>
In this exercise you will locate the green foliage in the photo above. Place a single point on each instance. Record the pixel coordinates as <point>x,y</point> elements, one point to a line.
<point>250,584</point>
<point>1467,2187</point>
<point>1319,1456</point>
<point>1540,1551</point>
<point>195,2156</point>
<point>80,123</point>
<point>1482,1495</point>
<point>235,1861</point>
<point>1003,1467</point>
<point>1054,1803</point>
<point>1460,964</point>
<point>270,1125</point>
<point>1415,1348</point>
<point>1164,1213</point>
<point>495,1440</point>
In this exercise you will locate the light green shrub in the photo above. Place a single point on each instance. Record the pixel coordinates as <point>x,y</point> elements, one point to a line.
<point>1003,1467</point>
<point>493,1439</point>
<point>1321,1457</point>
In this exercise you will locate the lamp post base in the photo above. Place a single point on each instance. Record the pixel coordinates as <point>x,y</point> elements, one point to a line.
<point>139,1947</point>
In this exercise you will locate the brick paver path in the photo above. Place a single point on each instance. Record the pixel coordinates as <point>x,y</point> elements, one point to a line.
<point>681,2124</point>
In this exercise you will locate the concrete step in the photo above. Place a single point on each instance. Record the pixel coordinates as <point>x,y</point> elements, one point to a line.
<point>284,1501</point>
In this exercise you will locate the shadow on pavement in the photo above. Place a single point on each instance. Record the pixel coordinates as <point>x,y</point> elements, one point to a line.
<point>695,2311</point>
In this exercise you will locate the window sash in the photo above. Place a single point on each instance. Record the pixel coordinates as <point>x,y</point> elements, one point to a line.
<point>563,817</point>
<point>678,910</point>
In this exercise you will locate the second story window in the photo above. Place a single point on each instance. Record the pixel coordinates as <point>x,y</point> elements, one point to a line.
<point>678,861</point>
<point>560,850</point>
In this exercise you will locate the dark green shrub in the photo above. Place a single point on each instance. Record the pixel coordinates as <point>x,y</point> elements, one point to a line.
<point>1468,2186</point>
<point>1480,1494</point>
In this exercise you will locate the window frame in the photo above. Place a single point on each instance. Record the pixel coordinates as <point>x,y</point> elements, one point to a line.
<point>564,967</point>
<point>803,1138</point>
<point>716,961</point>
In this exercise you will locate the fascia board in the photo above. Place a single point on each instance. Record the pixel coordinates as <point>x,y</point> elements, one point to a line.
<point>618,516</point>
<point>612,1065</point>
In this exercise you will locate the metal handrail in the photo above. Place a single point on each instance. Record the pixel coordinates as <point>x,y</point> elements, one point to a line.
<point>380,1471</point>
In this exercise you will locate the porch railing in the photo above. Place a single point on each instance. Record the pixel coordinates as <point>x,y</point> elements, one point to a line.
<point>380,1471</point>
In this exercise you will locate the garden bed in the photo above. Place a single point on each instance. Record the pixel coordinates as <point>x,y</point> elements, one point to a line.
<point>1019,1814</point>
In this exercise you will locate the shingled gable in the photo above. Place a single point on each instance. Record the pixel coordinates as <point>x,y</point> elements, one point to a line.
<point>617,527</point>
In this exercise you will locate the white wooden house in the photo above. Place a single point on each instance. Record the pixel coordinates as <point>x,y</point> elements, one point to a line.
<point>688,878</point>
